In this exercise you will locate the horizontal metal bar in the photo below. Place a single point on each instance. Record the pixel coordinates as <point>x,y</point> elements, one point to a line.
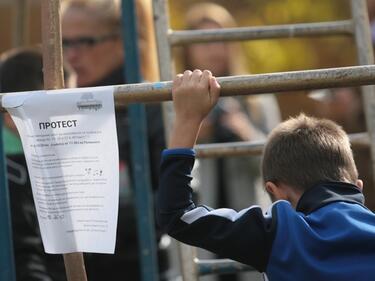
<point>221,266</point>
<point>360,139</point>
<point>255,148</point>
<point>255,84</point>
<point>183,37</point>
<point>229,149</point>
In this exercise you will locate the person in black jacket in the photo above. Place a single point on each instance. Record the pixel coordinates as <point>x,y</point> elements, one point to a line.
<point>21,70</point>
<point>317,228</point>
<point>92,45</point>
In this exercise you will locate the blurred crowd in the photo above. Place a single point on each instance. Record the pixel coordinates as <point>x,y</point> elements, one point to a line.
<point>94,56</point>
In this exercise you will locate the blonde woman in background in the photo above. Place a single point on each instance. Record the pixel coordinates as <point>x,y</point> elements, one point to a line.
<point>92,42</point>
<point>231,182</point>
<point>225,59</point>
<point>93,46</point>
<point>234,119</point>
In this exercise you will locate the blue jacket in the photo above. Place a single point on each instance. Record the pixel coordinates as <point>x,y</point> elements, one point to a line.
<point>330,235</point>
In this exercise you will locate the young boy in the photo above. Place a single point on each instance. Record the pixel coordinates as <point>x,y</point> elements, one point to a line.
<point>317,228</point>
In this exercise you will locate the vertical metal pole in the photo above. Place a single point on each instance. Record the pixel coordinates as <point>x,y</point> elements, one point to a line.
<point>365,56</point>
<point>166,67</point>
<point>7,267</point>
<point>187,253</point>
<point>54,79</point>
<point>188,258</point>
<point>161,23</point>
<point>139,149</point>
<point>20,23</point>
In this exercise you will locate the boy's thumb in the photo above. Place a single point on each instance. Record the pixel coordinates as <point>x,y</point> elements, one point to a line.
<point>214,89</point>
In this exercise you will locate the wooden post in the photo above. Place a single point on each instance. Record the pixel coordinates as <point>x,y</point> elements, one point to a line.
<point>54,79</point>
<point>52,50</point>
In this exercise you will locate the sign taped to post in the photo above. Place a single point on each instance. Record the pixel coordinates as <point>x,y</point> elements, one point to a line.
<point>70,144</point>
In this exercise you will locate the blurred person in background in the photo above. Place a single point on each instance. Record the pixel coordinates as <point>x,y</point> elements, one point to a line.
<point>234,119</point>
<point>233,181</point>
<point>371,14</point>
<point>93,46</point>
<point>345,106</point>
<point>21,70</point>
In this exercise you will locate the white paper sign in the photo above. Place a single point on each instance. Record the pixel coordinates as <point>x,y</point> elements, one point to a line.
<point>70,143</point>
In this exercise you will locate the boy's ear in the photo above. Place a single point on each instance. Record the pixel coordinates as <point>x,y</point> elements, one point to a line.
<point>359,184</point>
<point>275,191</point>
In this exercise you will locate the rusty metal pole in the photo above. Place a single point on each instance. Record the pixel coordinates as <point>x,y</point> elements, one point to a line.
<point>256,83</point>
<point>54,79</point>
<point>253,84</point>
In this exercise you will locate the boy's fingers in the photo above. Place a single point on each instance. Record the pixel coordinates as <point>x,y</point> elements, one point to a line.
<point>187,76</point>
<point>214,90</point>
<point>196,76</point>
<point>177,80</point>
<point>206,75</point>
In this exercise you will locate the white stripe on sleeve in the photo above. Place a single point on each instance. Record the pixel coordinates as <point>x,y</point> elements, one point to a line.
<point>200,212</point>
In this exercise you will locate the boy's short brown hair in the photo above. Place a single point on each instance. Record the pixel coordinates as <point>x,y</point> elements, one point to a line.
<point>304,151</point>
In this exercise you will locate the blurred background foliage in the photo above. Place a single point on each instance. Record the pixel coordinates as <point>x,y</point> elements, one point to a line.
<point>284,54</point>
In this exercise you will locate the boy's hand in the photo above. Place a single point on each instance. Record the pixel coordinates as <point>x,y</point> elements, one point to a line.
<point>194,95</point>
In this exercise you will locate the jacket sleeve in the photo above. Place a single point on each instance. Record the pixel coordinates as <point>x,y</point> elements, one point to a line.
<point>245,236</point>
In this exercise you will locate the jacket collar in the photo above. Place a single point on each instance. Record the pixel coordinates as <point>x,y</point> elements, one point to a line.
<point>329,192</point>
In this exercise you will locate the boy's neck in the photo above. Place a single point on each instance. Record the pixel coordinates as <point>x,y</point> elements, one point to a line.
<point>294,199</point>
<point>293,195</point>
<point>282,191</point>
